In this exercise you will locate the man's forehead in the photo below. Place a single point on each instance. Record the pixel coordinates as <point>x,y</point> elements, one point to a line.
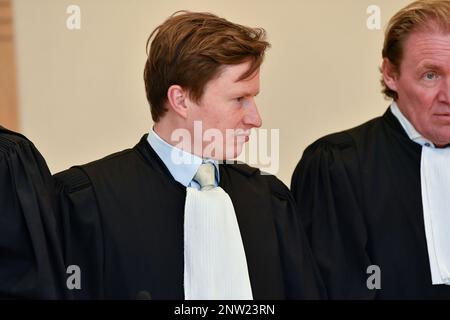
<point>427,36</point>
<point>230,79</point>
<point>428,45</point>
<point>234,73</point>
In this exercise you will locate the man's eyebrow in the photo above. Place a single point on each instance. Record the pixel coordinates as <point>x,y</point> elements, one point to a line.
<point>428,65</point>
<point>247,94</point>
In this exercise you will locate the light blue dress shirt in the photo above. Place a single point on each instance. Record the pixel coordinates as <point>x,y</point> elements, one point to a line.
<point>409,128</point>
<point>182,171</point>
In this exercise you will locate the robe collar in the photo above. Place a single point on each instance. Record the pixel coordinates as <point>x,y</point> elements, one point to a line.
<point>412,133</point>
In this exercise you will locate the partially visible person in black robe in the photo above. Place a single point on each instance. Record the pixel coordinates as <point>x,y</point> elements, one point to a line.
<point>31,259</point>
<point>373,199</point>
<point>359,196</point>
<point>124,215</point>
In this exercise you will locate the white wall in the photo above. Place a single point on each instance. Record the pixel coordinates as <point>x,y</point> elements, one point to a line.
<point>81,93</point>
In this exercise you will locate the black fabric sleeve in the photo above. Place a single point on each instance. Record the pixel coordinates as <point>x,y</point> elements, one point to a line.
<point>31,260</point>
<point>326,187</point>
<point>82,229</point>
<point>301,277</point>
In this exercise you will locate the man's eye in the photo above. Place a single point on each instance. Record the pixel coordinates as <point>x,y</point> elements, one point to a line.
<point>430,76</point>
<point>239,99</point>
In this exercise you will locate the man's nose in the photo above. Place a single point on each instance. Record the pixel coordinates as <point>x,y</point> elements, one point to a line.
<point>252,117</point>
<point>444,94</point>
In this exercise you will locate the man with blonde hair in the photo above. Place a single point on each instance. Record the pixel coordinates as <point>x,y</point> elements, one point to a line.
<point>375,199</point>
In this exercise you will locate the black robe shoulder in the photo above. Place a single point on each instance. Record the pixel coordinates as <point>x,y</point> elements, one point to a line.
<point>31,260</point>
<point>359,197</point>
<point>123,224</point>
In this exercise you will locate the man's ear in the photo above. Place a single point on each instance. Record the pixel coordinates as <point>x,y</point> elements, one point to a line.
<point>390,74</point>
<point>178,100</point>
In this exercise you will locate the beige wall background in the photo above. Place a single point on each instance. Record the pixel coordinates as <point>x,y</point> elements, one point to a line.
<point>8,97</point>
<point>82,95</point>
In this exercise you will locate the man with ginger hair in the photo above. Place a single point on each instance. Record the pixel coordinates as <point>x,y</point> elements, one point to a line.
<point>170,220</point>
<point>375,199</point>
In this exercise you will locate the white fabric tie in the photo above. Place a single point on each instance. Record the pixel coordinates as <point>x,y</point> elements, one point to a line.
<point>435,180</point>
<point>215,266</point>
<point>435,186</point>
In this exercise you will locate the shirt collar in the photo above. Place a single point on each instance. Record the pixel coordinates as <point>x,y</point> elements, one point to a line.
<point>182,165</point>
<point>409,128</point>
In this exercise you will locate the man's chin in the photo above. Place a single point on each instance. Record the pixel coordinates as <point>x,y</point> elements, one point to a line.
<point>442,139</point>
<point>444,143</point>
<point>225,153</point>
<point>231,155</point>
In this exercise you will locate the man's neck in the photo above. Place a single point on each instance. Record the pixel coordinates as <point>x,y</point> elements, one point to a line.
<point>184,139</point>
<point>164,133</point>
<point>412,131</point>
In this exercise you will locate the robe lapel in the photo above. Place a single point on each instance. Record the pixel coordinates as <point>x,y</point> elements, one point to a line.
<point>253,208</point>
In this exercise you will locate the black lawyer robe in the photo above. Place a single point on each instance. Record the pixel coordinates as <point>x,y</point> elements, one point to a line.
<point>359,196</point>
<point>31,258</point>
<point>123,225</point>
